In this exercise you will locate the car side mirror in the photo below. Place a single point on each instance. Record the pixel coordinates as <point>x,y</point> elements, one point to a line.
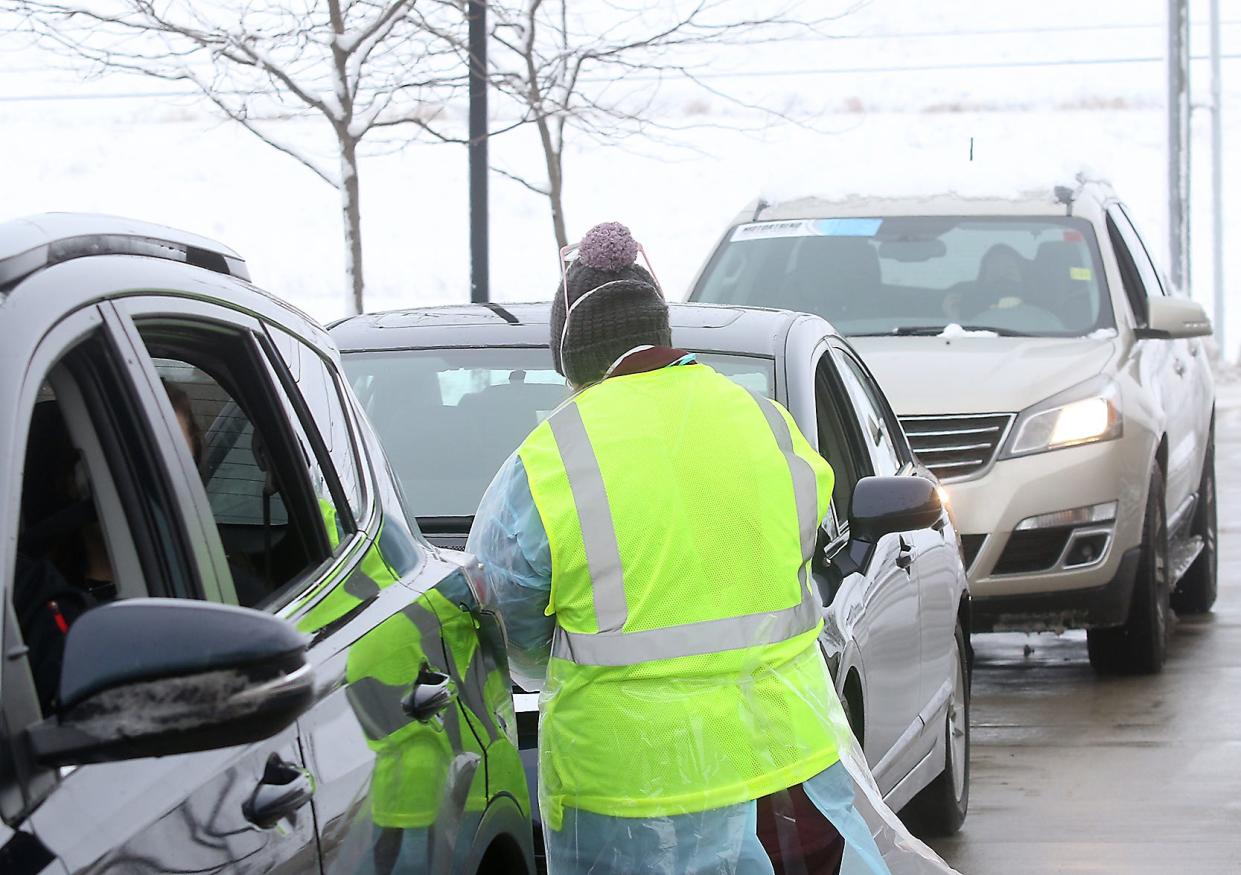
<point>153,677</point>
<point>1169,318</point>
<point>885,505</point>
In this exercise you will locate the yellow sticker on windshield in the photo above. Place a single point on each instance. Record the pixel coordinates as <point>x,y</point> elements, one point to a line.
<point>1080,273</point>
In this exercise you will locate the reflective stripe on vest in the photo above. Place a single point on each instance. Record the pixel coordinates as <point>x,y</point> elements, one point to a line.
<point>612,646</point>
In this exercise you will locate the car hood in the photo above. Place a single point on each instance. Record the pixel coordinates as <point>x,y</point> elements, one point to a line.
<point>929,376</point>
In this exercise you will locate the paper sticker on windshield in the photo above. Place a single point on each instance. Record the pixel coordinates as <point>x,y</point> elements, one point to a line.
<point>1080,273</point>
<point>807,228</point>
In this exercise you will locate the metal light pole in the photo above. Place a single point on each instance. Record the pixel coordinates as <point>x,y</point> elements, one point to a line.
<point>1217,187</point>
<point>1178,141</point>
<point>480,281</point>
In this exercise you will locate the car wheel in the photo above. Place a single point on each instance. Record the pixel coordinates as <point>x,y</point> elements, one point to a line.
<point>1195,594</point>
<point>940,808</point>
<point>1140,646</point>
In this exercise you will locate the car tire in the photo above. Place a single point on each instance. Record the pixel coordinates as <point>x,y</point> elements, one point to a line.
<point>940,808</point>
<point>1140,646</point>
<point>1197,589</point>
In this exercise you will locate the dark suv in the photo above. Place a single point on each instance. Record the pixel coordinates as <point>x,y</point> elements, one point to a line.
<point>226,645</point>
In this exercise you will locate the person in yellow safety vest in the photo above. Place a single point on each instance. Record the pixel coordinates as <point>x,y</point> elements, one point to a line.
<point>648,547</point>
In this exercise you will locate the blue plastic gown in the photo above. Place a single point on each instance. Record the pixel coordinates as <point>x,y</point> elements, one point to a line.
<point>509,539</point>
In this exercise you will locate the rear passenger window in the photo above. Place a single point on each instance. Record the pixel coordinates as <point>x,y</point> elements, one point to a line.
<point>274,524</point>
<point>316,383</point>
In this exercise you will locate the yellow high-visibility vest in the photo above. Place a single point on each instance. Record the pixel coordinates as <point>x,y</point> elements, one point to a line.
<point>685,674</point>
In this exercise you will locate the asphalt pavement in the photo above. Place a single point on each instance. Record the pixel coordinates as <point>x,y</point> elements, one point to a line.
<point>1080,774</point>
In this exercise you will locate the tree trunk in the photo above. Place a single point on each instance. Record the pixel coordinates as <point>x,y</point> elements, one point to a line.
<point>555,182</point>
<point>351,209</point>
<point>555,194</point>
<point>352,215</point>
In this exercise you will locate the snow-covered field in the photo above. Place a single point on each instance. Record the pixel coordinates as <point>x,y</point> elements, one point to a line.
<point>170,160</point>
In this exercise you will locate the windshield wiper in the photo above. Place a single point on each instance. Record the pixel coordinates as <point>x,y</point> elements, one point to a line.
<point>937,330</point>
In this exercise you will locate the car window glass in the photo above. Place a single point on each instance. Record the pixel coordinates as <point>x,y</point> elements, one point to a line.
<point>750,372</point>
<point>1152,285</point>
<point>275,517</point>
<point>1130,276</point>
<point>838,440</point>
<point>876,427</point>
<point>1036,275</point>
<point>318,387</point>
<point>448,418</point>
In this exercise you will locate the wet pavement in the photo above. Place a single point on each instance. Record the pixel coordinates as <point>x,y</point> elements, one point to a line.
<point>1079,774</point>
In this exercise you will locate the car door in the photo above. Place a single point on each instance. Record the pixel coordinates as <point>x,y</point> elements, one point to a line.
<point>202,812</point>
<point>1163,366</point>
<point>413,739</point>
<point>937,562</point>
<point>880,603</point>
<point>1189,365</point>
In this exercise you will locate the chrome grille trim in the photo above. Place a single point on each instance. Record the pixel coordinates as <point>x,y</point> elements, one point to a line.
<point>955,447</point>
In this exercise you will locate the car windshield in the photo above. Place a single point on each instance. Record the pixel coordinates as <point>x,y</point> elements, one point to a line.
<point>448,418</point>
<point>1010,276</point>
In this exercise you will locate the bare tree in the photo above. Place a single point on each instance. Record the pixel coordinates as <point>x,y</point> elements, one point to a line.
<point>361,66</point>
<point>599,73</point>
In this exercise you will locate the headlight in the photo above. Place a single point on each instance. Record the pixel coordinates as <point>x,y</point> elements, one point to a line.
<point>1084,414</point>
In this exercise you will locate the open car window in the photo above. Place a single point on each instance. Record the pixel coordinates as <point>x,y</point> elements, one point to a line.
<point>267,492</point>
<point>98,520</point>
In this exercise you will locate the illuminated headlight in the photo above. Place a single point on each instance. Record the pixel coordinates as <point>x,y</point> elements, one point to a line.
<point>1084,414</point>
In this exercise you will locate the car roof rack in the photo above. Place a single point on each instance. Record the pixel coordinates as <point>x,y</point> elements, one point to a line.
<point>31,244</point>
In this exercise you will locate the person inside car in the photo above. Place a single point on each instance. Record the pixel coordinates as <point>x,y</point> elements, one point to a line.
<point>647,546</point>
<point>1000,283</point>
<point>63,568</point>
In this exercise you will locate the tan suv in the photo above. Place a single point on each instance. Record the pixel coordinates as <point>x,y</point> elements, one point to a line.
<point>1043,370</point>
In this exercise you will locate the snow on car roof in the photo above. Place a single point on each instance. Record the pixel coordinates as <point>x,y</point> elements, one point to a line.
<point>959,186</point>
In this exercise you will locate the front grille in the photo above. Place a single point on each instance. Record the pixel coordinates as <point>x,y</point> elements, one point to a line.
<point>970,545</point>
<point>956,446</point>
<point>1032,550</point>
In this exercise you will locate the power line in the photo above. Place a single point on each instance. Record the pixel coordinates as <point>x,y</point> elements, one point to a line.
<point>740,74</point>
<point>1007,31</point>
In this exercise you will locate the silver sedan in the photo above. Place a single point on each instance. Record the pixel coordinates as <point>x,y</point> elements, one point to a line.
<point>452,391</point>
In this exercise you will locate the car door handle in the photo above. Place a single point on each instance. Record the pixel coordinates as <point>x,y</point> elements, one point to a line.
<point>283,789</point>
<point>905,557</point>
<point>430,695</point>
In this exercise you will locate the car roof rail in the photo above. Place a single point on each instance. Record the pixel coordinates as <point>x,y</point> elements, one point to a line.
<point>31,244</point>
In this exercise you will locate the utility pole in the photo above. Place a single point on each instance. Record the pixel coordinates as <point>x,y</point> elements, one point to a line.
<point>1217,188</point>
<point>480,281</point>
<point>1178,141</point>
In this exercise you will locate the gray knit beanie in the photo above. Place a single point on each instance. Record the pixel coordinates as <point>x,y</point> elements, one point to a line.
<point>626,312</point>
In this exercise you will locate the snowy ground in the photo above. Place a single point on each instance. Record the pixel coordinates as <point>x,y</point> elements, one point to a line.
<point>170,160</point>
